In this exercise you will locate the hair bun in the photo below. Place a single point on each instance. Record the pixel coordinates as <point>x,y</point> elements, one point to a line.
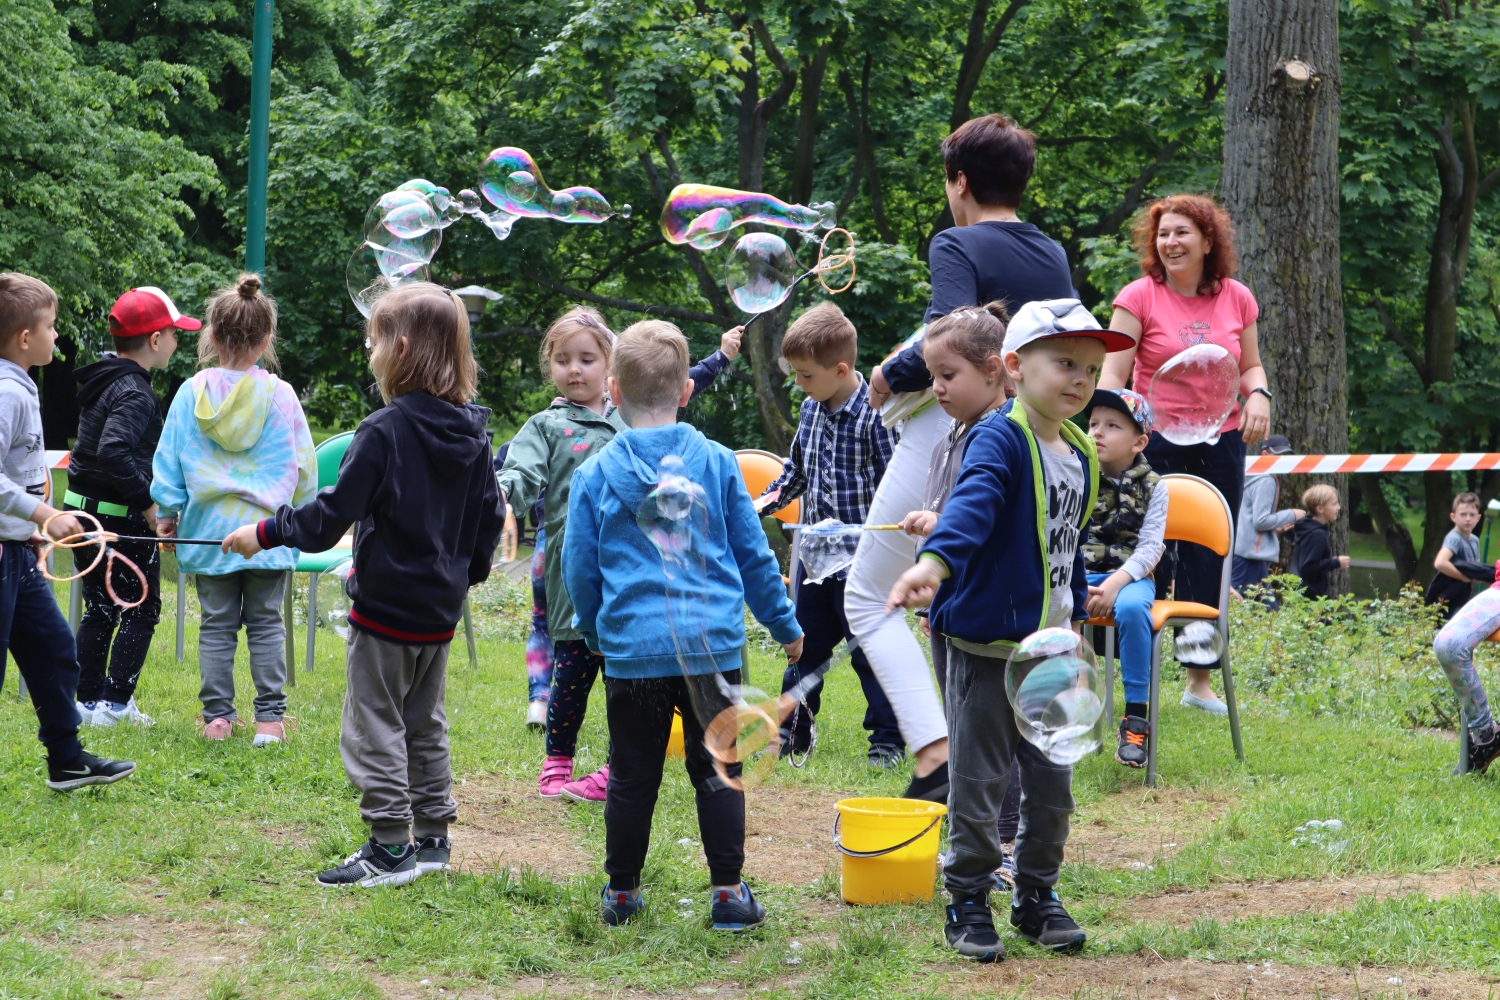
<point>997,309</point>
<point>248,286</point>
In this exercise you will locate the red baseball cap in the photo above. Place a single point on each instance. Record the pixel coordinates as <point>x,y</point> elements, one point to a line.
<point>145,310</point>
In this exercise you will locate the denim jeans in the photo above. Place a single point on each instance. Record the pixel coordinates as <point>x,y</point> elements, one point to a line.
<point>36,635</point>
<point>1132,615</point>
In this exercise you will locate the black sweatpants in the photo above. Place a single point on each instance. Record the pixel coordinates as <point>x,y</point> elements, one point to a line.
<point>640,724</point>
<point>36,635</point>
<point>100,646</point>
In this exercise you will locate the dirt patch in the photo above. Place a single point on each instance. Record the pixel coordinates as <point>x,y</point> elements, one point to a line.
<point>167,960</point>
<point>1137,826</point>
<point>1227,902</point>
<point>503,823</point>
<point>786,835</point>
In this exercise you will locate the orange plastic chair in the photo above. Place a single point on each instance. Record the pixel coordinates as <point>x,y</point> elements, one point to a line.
<point>760,469</point>
<point>1196,512</point>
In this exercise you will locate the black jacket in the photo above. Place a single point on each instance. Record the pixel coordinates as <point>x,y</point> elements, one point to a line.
<point>118,426</point>
<point>418,480</point>
<point>1312,557</point>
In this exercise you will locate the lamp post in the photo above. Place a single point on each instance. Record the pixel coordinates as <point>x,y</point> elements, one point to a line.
<point>475,300</point>
<point>260,139</point>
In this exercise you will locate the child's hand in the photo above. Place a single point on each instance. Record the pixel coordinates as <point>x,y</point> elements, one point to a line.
<point>917,585</point>
<point>241,540</point>
<point>730,342</point>
<point>63,526</point>
<point>926,626</point>
<point>919,523</point>
<point>1101,599</point>
<point>880,390</point>
<point>793,649</point>
<point>166,527</point>
<point>1343,562</point>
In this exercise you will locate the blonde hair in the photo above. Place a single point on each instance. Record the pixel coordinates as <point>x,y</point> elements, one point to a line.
<point>651,365</point>
<point>1316,496</point>
<point>438,358</point>
<point>976,335</point>
<point>578,319</point>
<point>22,299</point>
<point>241,321</point>
<point>824,334</point>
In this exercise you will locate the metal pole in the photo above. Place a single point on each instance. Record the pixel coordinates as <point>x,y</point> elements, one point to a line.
<point>75,604</point>
<point>469,634</point>
<point>260,139</point>
<point>312,619</point>
<point>181,610</point>
<point>287,616</point>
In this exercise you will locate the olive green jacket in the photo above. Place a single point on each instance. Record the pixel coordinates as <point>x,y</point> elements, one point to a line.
<point>544,454</point>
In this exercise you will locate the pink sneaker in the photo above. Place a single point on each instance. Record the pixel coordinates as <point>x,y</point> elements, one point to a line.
<point>218,729</point>
<point>590,787</point>
<point>556,772</point>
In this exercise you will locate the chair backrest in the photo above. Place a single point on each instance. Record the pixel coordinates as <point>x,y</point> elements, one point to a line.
<point>1197,512</point>
<point>330,455</point>
<point>759,469</point>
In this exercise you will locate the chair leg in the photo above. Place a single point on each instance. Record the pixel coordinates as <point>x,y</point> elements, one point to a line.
<point>181,610</point>
<point>291,639</point>
<point>745,663</point>
<point>1152,710</point>
<point>1463,743</point>
<point>312,619</point>
<point>1233,705</point>
<point>75,604</point>
<point>1109,673</point>
<point>469,635</point>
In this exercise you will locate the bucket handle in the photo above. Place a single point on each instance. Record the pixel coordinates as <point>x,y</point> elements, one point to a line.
<point>838,820</point>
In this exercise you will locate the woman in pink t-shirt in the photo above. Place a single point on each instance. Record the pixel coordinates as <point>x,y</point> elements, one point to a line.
<point>1187,297</point>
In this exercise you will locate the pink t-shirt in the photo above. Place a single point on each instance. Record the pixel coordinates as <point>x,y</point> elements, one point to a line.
<point>1171,323</point>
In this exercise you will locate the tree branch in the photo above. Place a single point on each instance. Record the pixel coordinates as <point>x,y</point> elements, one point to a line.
<point>1069,140</point>
<point>1397,337</point>
<point>510,331</point>
<point>788,75</point>
<point>1489,181</point>
<point>627,305</point>
<point>623,257</point>
<point>1057,93</point>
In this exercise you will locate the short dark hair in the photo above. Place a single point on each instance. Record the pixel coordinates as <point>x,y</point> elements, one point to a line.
<point>23,299</point>
<point>995,156</point>
<point>824,334</point>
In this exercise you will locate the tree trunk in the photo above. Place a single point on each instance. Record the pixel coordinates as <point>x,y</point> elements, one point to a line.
<point>1397,538</point>
<point>1281,128</point>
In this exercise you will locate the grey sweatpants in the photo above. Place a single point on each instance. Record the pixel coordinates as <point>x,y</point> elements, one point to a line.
<point>982,743</point>
<point>252,598</point>
<point>395,737</point>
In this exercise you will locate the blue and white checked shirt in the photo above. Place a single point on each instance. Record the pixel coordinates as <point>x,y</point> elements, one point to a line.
<point>836,462</point>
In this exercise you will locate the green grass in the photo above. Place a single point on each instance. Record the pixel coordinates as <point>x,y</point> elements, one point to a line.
<point>215,843</point>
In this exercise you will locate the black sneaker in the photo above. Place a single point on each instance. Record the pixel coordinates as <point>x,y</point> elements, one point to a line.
<point>1480,754</point>
<point>620,905</point>
<point>971,929</point>
<point>791,743</point>
<point>86,769</point>
<point>886,755</point>
<point>1134,732</point>
<point>933,788</point>
<point>1040,918</point>
<point>433,854</point>
<point>374,865</point>
<point>736,913</point>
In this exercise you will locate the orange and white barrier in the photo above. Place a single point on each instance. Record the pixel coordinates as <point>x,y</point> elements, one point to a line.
<point>1329,464</point>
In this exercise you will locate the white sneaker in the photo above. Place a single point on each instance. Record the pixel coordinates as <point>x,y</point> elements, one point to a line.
<point>107,716</point>
<point>536,714</point>
<point>1212,706</point>
<point>87,710</point>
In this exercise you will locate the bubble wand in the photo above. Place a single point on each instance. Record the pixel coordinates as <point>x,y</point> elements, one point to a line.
<point>757,270</point>
<point>98,537</point>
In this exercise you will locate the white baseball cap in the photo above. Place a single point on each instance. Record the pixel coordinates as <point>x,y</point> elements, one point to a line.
<point>1051,318</point>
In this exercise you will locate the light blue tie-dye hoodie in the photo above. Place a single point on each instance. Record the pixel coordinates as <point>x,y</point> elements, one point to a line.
<point>235,447</point>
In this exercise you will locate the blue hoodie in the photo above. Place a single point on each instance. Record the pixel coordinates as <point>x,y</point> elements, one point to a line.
<point>614,574</point>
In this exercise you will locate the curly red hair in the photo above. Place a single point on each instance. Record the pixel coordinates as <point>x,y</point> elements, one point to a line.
<point>1212,221</point>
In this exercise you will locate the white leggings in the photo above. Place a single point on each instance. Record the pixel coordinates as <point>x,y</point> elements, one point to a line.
<point>1454,645</point>
<point>882,557</point>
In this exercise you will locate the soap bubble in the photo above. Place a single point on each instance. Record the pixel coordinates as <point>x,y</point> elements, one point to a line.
<point>399,215</point>
<point>366,277</point>
<point>333,599</point>
<point>1193,393</point>
<point>512,182</point>
<point>1200,643</point>
<point>761,272</point>
<point>827,548</point>
<point>442,201</point>
<point>702,215</point>
<point>1057,694</point>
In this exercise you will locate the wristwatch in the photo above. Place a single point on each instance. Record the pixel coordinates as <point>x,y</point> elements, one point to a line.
<point>1264,392</point>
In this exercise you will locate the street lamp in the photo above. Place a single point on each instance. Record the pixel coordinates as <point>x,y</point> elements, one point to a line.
<point>475,300</point>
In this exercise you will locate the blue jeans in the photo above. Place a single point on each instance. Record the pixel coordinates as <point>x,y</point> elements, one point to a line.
<point>37,636</point>
<point>1250,573</point>
<point>1133,627</point>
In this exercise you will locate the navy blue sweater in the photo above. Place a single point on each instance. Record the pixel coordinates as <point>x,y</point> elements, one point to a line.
<point>992,535</point>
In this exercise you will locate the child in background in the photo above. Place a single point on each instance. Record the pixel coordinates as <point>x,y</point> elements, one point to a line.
<point>1127,536</point>
<point>109,476</point>
<point>418,483</point>
<point>235,447</point>
<point>32,628</point>
<point>1003,562</point>
<point>838,456</point>
<point>616,579</point>
<point>1257,549</point>
<point>1457,562</point>
<point>1312,557</point>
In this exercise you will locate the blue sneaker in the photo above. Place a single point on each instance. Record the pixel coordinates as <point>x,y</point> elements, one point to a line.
<point>736,913</point>
<point>620,905</point>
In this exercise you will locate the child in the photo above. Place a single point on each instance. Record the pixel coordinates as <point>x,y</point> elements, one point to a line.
<point>1311,554</point>
<point>616,579</point>
<point>1457,563</point>
<point>1256,547</point>
<point>1002,562</point>
<point>31,626</point>
<point>109,476</point>
<point>235,447</point>
<point>1127,532</point>
<point>1455,643</point>
<point>543,456</point>
<point>418,483</point>
<point>838,456</point>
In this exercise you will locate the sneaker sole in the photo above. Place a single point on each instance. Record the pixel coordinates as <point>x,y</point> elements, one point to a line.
<point>93,779</point>
<point>428,867</point>
<point>738,928</point>
<point>1127,763</point>
<point>1064,948</point>
<point>575,797</point>
<point>979,954</point>
<point>385,880</point>
<point>265,741</point>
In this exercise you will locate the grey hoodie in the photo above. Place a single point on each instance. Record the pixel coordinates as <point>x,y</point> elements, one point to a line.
<point>1256,538</point>
<point>23,477</point>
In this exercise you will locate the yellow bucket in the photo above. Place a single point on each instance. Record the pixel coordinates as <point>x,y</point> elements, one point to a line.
<point>890,849</point>
<point>674,742</point>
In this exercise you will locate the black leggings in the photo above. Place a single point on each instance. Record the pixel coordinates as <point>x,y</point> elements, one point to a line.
<point>124,652</point>
<point>640,723</point>
<point>574,669</point>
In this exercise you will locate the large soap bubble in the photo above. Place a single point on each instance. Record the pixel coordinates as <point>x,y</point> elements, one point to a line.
<point>1057,694</point>
<point>333,599</point>
<point>1200,644</point>
<point>827,548</point>
<point>372,271</point>
<point>512,182</point>
<point>761,272</point>
<point>1193,393</point>
<point>702,215</point>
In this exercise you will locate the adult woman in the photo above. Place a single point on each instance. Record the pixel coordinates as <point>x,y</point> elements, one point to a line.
<point>1187,297</point>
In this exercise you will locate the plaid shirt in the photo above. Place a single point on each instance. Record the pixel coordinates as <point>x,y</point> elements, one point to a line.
<point>836,462</point>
